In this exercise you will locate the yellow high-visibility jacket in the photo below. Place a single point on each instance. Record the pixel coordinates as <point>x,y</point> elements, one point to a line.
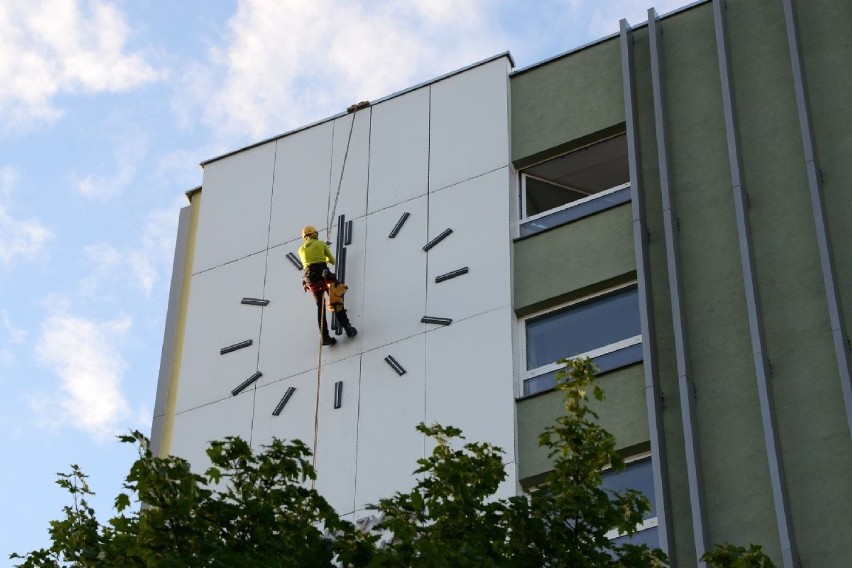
<point>335,295</point>
<point>314,251</point>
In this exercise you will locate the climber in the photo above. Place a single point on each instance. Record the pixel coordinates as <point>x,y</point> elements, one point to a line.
<point>336,290</point>
<point>316,256</point>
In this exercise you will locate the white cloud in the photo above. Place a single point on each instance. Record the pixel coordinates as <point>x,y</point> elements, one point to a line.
<point>141,264</point>
<point>6,357</point>
<point>290,62</point>
<point>84,354</point>
<point>62,46</point>
<point>129,150</point>
<point>19,238</point>
<point>16,335</point>
<point>604,18</point>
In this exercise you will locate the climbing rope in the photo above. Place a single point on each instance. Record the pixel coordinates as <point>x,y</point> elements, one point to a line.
<point>317,407</point>
<point>353,110</point>
<point>330,219</point>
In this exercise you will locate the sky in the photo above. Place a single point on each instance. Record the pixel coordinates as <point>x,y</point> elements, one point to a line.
<point>106,109</point>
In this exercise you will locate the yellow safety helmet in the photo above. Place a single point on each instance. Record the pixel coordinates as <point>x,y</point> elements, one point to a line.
<point>309,230</point>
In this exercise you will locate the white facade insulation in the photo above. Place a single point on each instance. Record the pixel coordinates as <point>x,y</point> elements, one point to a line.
<point>438,152</point>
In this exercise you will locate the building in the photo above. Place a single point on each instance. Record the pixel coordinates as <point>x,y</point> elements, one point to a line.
<point>672,201</point>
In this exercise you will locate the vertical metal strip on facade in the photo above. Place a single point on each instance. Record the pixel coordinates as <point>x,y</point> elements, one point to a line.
<point>653,396</point>
<point>671,227</point>
<point>761,362</point>
<point>826,258</point>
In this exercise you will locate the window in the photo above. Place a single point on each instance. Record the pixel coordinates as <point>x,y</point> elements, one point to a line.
<point>574,185</point>
<point>637,474</point>
<point>605,328</point>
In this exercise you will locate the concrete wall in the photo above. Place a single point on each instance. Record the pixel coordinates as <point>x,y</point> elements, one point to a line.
<point>815,449</point>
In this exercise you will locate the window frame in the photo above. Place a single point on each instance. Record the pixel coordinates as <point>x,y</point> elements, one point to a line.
<point>576,203</point>
<point>524,218</point>
<point>525,374</point>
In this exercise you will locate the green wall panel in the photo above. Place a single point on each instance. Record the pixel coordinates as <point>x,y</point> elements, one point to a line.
<point>556,105</point>
<point>622,412</point>
<point>823,34</point>
<point>572,260</point>
<point>567,102</point>
<point>809,404</point>
<point>730,432</point>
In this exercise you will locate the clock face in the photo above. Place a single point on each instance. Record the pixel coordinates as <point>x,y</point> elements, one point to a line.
<point>425,228</point>
<point>344,236</point>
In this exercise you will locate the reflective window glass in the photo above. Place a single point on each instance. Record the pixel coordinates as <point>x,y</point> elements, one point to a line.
<point>582,327</point>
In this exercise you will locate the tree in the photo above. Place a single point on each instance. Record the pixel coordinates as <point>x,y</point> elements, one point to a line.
<point>248,510</point>
<point>731,556</point>
<point>451,519</point>
<point>258,509</point>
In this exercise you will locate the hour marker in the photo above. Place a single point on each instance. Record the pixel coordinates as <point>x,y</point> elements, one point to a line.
<point>437,239</point>
<point>341,266</point>
<point>452,274</point>
<point>395,365</point>
<point>341,232</point>
<point>254,302</point>
<point>399,225</point>
<point>242,386</point>
<point>235,346</point>
<point>338,394</point>
<point>347,239</point>
<point>295,260</point>
<point>284,399</point>
<point>439,321</point>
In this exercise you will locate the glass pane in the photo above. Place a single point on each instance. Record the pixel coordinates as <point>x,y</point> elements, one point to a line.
<point>582,328</point>
<point>543,195</point>
<point>618,359</point>
<point>590,169</point>
<point>637,475</point>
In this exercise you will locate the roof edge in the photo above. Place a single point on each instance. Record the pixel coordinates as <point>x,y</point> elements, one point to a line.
<point>505,54</point>
<point>593,43</point>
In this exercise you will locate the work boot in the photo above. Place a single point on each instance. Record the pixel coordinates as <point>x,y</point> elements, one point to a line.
<point>351,331</point>
<point>328,340</point>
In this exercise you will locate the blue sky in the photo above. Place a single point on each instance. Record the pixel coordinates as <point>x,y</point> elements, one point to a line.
<point>106,109</point>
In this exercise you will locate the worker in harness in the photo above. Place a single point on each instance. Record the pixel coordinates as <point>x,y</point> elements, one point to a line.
<point>316,256</point>
<point>336,290</point>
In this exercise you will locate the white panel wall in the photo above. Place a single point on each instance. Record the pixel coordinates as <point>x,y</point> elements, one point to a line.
<point>395,299</point>
<point>460,375</point>
<point>391,407</point>
<point>216,319</point>
<point>337,437</point>
<point>477,211</point>
<point>195,429</point>
<point>469,124</point>
<point>234,216</point>
<point>296,420</point>
<point>470,380</point>
<point>399,150</point>
<point>290,338</point>
<point>302,181</point>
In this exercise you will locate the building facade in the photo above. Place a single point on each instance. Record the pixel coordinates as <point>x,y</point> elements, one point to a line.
<point>670,201</point>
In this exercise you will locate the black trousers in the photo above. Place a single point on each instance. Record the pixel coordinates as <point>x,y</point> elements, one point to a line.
<point>343,319</point>
<point>313,274</point>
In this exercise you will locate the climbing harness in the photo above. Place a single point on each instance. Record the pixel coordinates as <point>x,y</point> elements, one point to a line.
<point>353,110</point>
